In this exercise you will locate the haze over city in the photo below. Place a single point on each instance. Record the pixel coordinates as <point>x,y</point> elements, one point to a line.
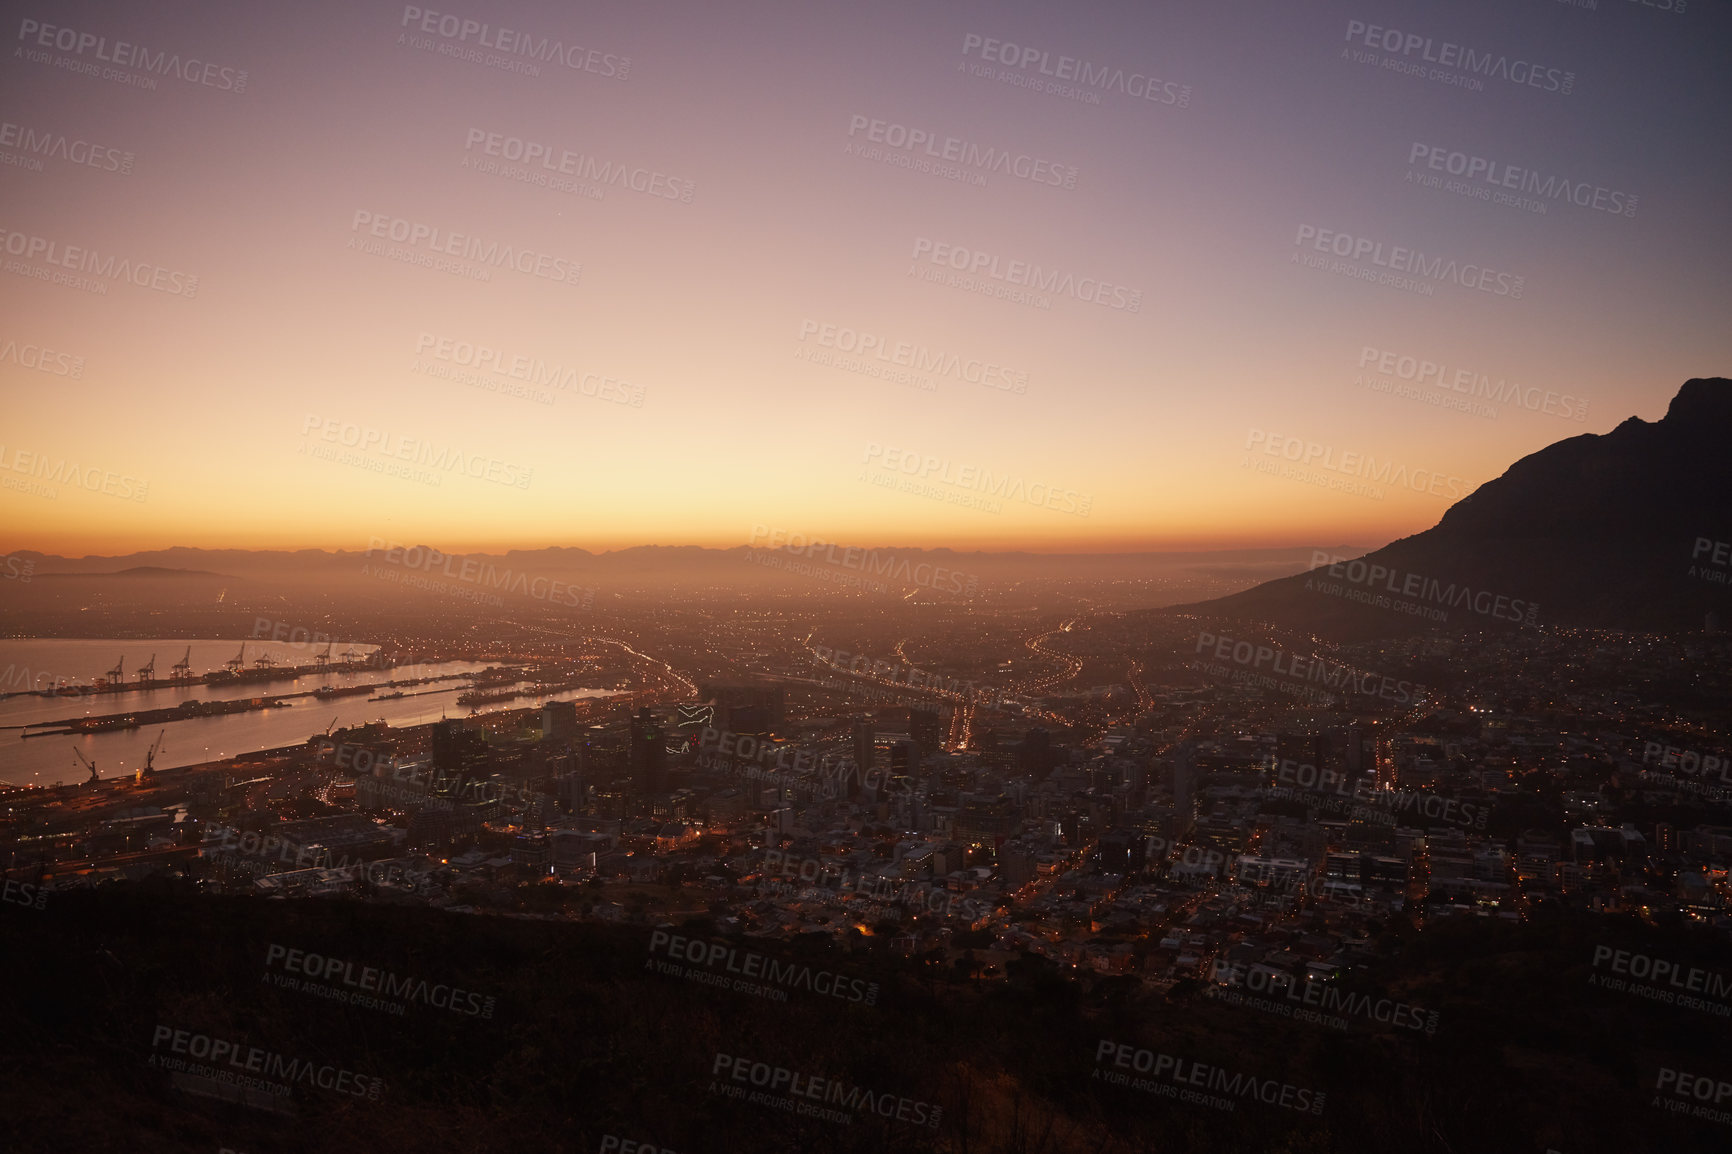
<point>725,232</point>
<point>646,577</point>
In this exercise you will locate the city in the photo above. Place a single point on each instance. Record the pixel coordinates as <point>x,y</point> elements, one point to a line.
<point>663,577</point>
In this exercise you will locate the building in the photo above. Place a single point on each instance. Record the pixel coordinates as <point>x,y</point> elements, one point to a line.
<point>745,708</point>
<point>865,752</point>
<point>649,754</point>
<point>457,749</point>
<point>559,720</point>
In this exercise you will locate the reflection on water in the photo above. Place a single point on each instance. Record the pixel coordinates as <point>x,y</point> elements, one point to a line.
<point>49,760</point>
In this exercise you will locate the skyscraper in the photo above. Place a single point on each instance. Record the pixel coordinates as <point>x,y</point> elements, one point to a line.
<point>457,749</point>
<point>926,728</point>
<point>865,745</point>
<point>649,756</point>
<point>559,719</point>
<point>1184,787</point>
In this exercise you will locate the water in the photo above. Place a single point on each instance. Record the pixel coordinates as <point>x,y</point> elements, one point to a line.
<point>50,760</point>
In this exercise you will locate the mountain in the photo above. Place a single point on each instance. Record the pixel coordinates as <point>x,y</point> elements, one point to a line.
<point>1630,529</point>
<point>149,571</point>
<point>651,565</point>
<point>212,589</point>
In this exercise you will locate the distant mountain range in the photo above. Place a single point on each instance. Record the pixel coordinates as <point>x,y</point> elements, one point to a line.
<point>186,579</point>
<point>667,562</point>
<point>1628,530</point>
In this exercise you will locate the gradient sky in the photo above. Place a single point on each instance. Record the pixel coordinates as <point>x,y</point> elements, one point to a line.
<point>699,307</point>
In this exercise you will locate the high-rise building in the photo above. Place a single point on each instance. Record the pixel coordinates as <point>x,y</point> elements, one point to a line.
<point>1303,749</point>
<point>1121,851</point>
<point>926,728</point>
<point>457,749</point>
<point>559,720</point>
<point>750,719</point>
<point>1360,758</point>
<point>649,755</point>
<point>865,745</point>
<point>1034,754</point>
<point>1184,785</point>
<point>727,698</point>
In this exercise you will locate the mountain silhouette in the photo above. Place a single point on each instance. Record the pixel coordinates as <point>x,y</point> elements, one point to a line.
<point>1627,530</point>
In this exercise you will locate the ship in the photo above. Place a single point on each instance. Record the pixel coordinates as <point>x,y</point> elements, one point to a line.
<point>329,691</point>
<point>480,697</point>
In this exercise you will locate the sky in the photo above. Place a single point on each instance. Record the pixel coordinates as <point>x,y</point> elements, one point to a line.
<point>1080,277</point>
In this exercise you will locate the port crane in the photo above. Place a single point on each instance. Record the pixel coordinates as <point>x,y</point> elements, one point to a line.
<point>88,764</point>
<point>147,671</point>
<point>117,675</point>
<point>350,655</point>
<point>150,754</point>
<point>182,670</point>
<point>234,664</point>
<point>265,662</point>
<point>323,659</point>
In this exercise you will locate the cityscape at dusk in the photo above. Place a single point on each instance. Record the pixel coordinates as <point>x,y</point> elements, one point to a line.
<point>657,578</point>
